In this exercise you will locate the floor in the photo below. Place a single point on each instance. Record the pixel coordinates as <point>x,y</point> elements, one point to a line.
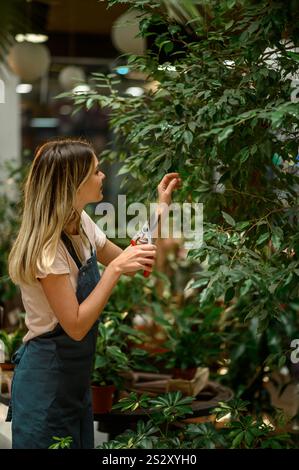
<point>5,431</point>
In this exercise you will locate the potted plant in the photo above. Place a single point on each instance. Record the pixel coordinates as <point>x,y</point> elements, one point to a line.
<point>10,342</point>
<point>188,340</point>
<point>114,359</point>
<point>168,428</point>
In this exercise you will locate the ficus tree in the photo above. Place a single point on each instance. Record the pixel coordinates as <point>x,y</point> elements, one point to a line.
<point>222,110</point>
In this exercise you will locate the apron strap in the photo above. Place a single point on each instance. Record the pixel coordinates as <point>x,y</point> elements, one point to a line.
<point>71,249</point>
<point>90,245</point>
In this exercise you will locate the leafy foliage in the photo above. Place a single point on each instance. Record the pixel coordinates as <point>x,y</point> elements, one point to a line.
<point>190,336</point>
<point>240,431</point>
<point>210,115</point>
<point>113,355</point>
<point>223,114</point>
<point>11,184</point>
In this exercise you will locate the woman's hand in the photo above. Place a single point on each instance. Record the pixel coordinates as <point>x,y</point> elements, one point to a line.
<point>135,258</point>
<point>168,184</point>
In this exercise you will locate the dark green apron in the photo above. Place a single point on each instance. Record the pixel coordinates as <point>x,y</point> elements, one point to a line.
<point>51,393</point>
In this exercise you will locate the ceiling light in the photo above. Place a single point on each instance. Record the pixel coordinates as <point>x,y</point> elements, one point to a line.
<point>24,88</point>
<point>31,37</point>
<point>44,122</point>
<point>223,371</point>
<point>122,70</point>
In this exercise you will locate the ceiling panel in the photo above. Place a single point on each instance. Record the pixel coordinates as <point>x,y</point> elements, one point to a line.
<point>82,16</point>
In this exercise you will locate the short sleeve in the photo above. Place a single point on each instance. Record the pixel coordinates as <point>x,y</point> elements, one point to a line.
<point>60,264</point>
<point>99,237</point>
<point>97,234</point>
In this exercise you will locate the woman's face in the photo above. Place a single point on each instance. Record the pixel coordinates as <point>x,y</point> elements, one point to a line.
<point>91,190</point>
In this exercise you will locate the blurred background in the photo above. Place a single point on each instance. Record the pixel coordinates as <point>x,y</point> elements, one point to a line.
<point>50,47</point>
<point>54,46</point>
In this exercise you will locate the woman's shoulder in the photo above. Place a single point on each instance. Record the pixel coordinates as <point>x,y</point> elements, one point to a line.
<point>59,265</point>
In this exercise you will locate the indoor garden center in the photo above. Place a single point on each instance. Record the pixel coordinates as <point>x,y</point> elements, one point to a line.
<point>149,228</point>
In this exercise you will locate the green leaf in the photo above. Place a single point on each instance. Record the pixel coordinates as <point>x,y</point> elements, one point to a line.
<point>228,25</point>
<point>89,103</point>
<point>238,439</point>
<point>244,155</point>
<point>282,361</point>
<point>246,287</point>
<point>276,239</point>
<point>229,294</point>
<point>168,47</point>
<point>228,218</point>
<point>241,225</point>
<point>188,137</point>
<point>231,3</point>
<point>192,126</point>
<point>262,238</point>
<point>293,55</point>
<point>225,134</point>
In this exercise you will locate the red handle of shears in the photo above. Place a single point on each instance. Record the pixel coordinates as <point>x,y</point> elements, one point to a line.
<point>145,273</point>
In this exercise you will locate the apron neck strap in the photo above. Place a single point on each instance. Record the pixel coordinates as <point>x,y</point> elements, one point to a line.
<point>90,245</point>
<point>71,249</point>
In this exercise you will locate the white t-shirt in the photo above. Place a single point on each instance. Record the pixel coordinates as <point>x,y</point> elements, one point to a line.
<point>40,318</point>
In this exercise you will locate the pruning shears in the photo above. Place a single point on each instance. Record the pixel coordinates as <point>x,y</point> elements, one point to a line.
<point>145,235</point>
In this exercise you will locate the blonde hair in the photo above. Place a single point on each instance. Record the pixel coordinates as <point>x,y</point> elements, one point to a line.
<point>58,170</point>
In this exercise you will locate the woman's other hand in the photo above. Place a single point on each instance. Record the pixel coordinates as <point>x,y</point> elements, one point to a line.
<point>169,183</point>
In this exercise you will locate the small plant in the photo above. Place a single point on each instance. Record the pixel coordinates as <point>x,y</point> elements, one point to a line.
<point>189,336</point>
<point>61,442</point>
<point>249,432</point>
<point>156,433</point>
<point>11,342</point>
<point>110,360</point>
<point>164,431</point>
<point>113,356</point>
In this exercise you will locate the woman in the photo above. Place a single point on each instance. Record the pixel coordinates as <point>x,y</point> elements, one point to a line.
<point>54,261</point>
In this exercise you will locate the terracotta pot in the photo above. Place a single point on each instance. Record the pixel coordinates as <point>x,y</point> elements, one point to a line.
<point>102,398</point>
<point>7,366</point>
<point>186,374</point>
<point>153,349</point>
